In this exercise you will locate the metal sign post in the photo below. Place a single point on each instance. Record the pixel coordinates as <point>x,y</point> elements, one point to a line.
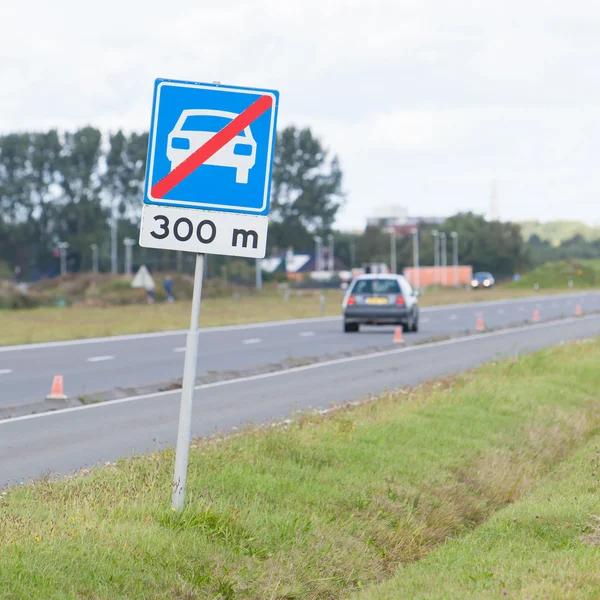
<point>206,191</point>
<point>187,392</point>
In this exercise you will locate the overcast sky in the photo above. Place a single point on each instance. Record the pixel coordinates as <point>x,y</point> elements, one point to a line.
<point>425,102</point>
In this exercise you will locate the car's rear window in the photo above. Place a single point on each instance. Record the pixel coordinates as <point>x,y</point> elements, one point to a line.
<point>376,286</point>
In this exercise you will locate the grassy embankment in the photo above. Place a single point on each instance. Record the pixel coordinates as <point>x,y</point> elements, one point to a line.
<point>397,490</point>
<point>585,274</point>
<point>83,321</point>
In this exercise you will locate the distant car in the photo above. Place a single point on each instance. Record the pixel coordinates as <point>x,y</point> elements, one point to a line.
<point>196,126</point>
<point>380,299</point>
<point>483,279</point>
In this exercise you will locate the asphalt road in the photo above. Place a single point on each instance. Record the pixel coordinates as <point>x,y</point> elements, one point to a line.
<point>63,441</point>
<point>132,362</point>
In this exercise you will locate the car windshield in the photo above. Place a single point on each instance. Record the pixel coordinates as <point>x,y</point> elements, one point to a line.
<point>482,275</point>
<point>206,123</point>
<point>376,286</point>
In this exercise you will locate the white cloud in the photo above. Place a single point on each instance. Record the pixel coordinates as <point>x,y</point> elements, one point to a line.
<point>425,102</point>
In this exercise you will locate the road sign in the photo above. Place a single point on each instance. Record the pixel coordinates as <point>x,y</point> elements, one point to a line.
<point>210,149</point>
<point>207,189</point>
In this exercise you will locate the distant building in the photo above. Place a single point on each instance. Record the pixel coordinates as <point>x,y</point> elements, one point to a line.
<point>387,216</point>
<point>296,266</point>
<point>396,217</point>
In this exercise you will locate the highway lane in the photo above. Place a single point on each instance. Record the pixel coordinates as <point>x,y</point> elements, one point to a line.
<point>132,362</point>
<point>63,441</point>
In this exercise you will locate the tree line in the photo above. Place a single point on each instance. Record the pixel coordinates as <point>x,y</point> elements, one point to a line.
<point>77,186</point>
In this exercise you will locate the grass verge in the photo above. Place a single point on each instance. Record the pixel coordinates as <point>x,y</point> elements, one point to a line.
<point>317,509</point>
<point>76,322</point>
<point>546,545</point>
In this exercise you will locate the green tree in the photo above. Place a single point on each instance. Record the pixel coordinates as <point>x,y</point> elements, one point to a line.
<point>306,191</point>
<point>487,246</point>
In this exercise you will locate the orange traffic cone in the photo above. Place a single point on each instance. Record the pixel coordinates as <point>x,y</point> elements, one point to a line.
<point>57,392</point>
<point>398,339</point>
<point>480,326</point>
<point>536,315</point>
<point>578,311</point>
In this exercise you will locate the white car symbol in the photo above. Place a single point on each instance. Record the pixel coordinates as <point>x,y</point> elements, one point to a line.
<point>197,126</point>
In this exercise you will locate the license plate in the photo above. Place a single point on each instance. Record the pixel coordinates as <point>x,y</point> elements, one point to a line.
<point>377,301</point>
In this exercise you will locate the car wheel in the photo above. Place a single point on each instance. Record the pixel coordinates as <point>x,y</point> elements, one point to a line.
<point>415,325</point>
<point>406,327</point>
<point>351,327</point>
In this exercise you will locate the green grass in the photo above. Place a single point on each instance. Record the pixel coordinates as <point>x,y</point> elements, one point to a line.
<point>80,321</point>
<point>546,545</point>
<point>584,274</point>
<point>329,505</point>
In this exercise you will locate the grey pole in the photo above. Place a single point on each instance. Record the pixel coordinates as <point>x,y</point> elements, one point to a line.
<point>394,265</point>
<point>114,265</point>
<point>331,261</point>
<point>416,256</point>
<point>444,260</point>
<point>258,269</point>
<point>352,253</point>
<point>454,236</point>
<point>184,431</point>
<point>317,253</point>
<point>436,255</point>
<point>63,256</point>
<point>128,242</point>
<point>94,248</point>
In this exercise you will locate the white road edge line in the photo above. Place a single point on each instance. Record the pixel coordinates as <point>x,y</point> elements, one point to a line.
<point>100,358</point>
<point>252,341</point>
<point>307,333</point>
<point>319,365</point>
<point>180,349</point>
<point>5,371</point>
<point>246,326</point>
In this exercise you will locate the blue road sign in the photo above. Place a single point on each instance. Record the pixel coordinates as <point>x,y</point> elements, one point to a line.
<point>211,147</point>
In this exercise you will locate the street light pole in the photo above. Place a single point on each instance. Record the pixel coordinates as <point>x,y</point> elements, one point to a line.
<point>454,236</point>
<point>94,248</point>
<point>331,261</point>
<point>62,246</point>
<point>258,268</point>
<point>114,264</point>
<point>317,253</point>
<point>436,257</point>
<point>444,261</point>
<point>394,262</point>
<point>416,256</point>
<point>128,242</point>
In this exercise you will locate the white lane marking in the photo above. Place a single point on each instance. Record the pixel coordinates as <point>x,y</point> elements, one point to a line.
<point>453,317</point>
<point>157,334</point>
<point>500,311</point>
<point>252,341</point>
<point>5,371</point>
<point>180,349</point>
<point>100,358</point>
<point>307,333</point>
<point>321,365</point>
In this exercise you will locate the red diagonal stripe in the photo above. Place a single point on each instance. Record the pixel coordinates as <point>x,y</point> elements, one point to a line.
<point>210,147</point>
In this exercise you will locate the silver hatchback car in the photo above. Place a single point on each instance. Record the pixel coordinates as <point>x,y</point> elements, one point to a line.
<point>380,300</point>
